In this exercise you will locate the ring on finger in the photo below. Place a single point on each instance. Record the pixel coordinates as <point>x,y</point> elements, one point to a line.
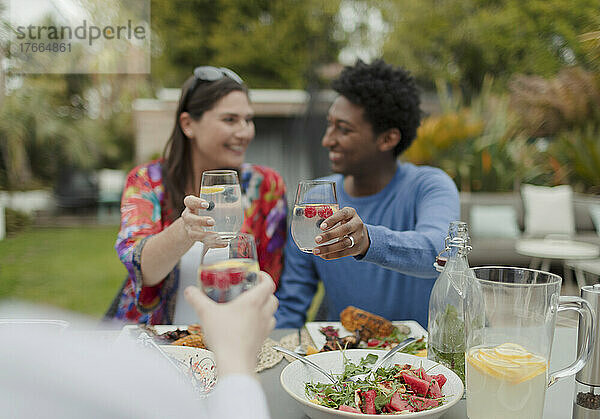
<point>351,242</point>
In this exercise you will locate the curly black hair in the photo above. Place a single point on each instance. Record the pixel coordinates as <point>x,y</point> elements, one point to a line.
<point>388,95</point>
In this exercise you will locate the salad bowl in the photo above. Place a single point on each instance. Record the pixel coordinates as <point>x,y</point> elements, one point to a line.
<point>296,375</point>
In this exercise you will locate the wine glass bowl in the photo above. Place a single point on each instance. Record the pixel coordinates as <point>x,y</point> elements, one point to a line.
<point>226,278</point>
<point>315,201</point>
<point>221,189</point>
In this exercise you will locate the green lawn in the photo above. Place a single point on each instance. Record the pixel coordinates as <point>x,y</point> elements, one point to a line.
<point>73,268</point>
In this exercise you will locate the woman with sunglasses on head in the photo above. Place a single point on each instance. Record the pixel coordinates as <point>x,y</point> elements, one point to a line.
<point>161,234</point>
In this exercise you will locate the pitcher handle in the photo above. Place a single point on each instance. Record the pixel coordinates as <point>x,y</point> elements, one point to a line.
<point>583,308</point>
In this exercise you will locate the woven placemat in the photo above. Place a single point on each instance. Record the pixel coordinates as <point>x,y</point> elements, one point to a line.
<point>291,341</point>
<point>267,356</point>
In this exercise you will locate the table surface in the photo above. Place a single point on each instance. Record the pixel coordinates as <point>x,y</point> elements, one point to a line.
<point>559,397</point>
<point>557,249</point>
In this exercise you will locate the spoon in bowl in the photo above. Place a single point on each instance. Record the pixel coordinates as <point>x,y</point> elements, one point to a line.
<point>306,361</point>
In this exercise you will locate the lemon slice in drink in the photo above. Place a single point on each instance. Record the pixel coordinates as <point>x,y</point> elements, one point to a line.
<point>246,264</point>
<point>211,189</point>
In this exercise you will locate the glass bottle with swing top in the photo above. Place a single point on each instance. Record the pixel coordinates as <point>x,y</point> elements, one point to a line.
<point>446,340</point>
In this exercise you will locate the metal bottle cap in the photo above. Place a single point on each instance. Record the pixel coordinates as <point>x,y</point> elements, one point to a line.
<point>590,374</point>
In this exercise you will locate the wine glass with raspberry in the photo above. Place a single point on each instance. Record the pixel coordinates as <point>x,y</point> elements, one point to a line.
<point>224,278</point>
<point>315,201</point>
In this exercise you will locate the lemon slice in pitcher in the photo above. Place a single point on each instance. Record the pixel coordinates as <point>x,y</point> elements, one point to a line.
<point>512,351</point>
<point>509,361</point>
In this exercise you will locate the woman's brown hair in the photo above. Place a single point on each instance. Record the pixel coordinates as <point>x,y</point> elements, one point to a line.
<point>177,166</point>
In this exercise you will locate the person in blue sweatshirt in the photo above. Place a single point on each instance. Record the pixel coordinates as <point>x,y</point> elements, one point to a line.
<point>394,215</point>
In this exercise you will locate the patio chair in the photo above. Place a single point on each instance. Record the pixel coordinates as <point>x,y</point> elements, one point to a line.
<point>548,211</point>
<point>550,229</point>
<point>588,268</point>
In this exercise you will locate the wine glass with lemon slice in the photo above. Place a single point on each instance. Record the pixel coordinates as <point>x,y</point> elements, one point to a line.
<point>221,189</point>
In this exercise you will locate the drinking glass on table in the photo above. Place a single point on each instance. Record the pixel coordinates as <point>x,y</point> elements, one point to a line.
<point>228,276</point>
<point>221,189</point>
<point>510,314</point>
<point>315,201</point>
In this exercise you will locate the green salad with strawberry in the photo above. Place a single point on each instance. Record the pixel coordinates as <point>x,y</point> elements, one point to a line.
<point>390,390</point>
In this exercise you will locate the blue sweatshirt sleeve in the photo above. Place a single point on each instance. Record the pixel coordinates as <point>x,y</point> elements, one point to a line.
<point>413,252</point>
<point>297,287</point>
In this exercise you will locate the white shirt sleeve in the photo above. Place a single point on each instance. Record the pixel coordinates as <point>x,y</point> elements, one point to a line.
<point>78,375</point>
<point>238,397</point>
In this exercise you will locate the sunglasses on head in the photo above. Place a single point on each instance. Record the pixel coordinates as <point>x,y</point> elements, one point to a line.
<point>209,73</point>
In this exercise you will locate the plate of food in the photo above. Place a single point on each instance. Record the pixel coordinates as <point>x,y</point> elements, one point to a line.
<point>185,348</point>
<point>406,385</point>
<point>166,334</point>
<point>191,336</point>
<point>361,329</point>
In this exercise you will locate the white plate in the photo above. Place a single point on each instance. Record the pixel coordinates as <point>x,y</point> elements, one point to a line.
<point>296,375</point>
<point>318,338</point>
<point>198,364</point>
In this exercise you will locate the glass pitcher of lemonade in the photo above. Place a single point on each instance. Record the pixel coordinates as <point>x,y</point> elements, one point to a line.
<point>510,315</point>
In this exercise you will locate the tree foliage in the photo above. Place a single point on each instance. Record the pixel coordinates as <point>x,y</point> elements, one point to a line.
<point>84,121</point>
<point>479,144</point>
<point>565,111</point>
<point>463,40</point>
<point>57,121</point>
<point>270,43</point>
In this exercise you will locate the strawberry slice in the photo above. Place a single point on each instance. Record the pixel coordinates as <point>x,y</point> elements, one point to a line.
<point>373,342</point>
<point>310,212</point>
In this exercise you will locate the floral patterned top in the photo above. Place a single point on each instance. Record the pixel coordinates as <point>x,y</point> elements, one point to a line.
<point>144,213</point>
